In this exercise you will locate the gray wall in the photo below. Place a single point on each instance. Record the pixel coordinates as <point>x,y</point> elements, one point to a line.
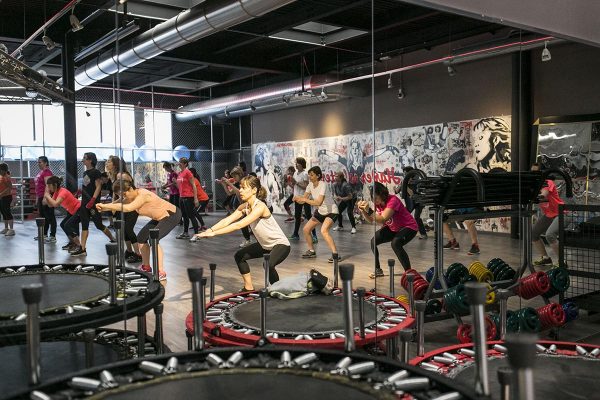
<point>566,85</point>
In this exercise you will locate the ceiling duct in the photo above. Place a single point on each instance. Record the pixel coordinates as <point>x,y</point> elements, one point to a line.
<point>270,98</point>
<point>189,26</point>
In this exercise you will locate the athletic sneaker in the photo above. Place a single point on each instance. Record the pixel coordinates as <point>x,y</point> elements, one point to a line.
<point>315,240</point>
<point>183,235</point>
<point>245,243</point>
<point>474,249</point>
<point>134,258</point>
<point>146,268</point>
<point>68,246</point>
<point>543,261</point>
<point>79,252</point>
<point>331,259</point>
<point>203,228</point>
<point>353,231</point>
<point>10,232</point>
<point>423,236</point>
<point>294,237</point>
<point>338,228</point>
<point>162,276</point>
<point>310,254</point>
<point>3,231</point>
<point>194,239</point>
<point>452,245</point>
<point>35,238</point>
<point>50,239</point>
<point>290,219</point>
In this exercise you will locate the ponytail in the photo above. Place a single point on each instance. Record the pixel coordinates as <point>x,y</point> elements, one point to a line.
<point>261,194</point>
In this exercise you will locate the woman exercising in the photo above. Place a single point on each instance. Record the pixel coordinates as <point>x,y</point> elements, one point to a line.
<point>57,196</point>
<point>269,236</point>
<point>164,217</point>
<point>399,226</point>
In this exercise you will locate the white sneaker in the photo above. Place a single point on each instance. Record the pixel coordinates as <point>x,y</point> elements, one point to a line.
<point>3,231</point>
<point>10,232</point>
<point>245,243</point>
<point>353,231</point>
<point>338,228</point>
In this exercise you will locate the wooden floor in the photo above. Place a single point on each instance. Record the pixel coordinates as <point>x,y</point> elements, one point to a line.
<point>180,254</point>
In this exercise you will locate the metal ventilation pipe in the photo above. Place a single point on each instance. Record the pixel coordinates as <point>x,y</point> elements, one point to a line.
<point>265,96</point>
<point>187,27</point>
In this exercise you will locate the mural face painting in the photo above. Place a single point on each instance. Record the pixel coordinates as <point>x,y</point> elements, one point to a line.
<point>481,144</point>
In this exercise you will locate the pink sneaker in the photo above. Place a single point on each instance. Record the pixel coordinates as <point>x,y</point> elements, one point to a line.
<point>162,276</point>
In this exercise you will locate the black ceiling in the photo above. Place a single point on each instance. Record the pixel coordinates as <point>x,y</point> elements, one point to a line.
<point>244,56</point>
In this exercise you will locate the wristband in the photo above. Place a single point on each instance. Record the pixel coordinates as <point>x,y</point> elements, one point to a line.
<point>90,203</point>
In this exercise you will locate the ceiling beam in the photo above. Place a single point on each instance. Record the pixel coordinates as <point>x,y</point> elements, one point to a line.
<point>150,81</point>
<point>219,65</point>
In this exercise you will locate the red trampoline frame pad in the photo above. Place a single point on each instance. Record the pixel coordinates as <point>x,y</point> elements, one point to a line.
<point>230,337</point>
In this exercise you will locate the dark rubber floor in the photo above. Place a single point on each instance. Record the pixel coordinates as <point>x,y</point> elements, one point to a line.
<point>555,377</point>
<point>60,290</point>
<point>57,358</point>
<point>258,386</point>
<point>308,315</point>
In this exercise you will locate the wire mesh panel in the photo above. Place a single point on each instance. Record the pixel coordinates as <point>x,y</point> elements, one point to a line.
<point>579,251</point>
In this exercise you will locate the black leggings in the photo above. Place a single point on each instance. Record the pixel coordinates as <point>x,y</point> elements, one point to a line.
<point>298,215</point>
<point>349,206</point>
<point>189,213</point>
<point>198,211</point>
<point>5,208</point>
<point>48,213</point>
<point>130,219</point>
<point>70,225</point>
<point>398,239</point>
<point>174,199</point>
<point>164,226</point>
<point>255,250</point>
<point>288,202</point>
<point>418,209</point>
<point>90,214</point>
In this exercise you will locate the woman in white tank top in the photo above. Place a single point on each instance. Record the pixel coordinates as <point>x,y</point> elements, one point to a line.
<point>269,236</point>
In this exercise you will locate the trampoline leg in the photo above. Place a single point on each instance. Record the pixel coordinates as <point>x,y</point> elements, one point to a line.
<point>505,378</point>
<point>336,270</point>
<point>154,250</point>
<point>360,293</point>
<point>521,357</point>
<point>88,336</point>
<point>420,306</point>
<point>189,341</point>
<point>141,325</point>
<point>40,225</point>
<point>502,297</point>
<point>266,259</point>
<point>213,273</point>
<point>263,312</point>
<point>347,273</point>
<point>405,338</point>
<point>111,251</point>
<point>32,295</point>
<point>476,295</point>
<point>411,297</point>
<point>195,276</point>
<point>158,328</point>
<point>118,224</point>
<point>391,263</point>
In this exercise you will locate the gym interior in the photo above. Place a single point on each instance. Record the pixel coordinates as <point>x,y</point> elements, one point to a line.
<point>366,199</point>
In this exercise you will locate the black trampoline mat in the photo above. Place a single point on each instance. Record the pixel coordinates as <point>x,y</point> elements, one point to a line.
<point>250,385</point>
<point>57,358</point>
<point>315,314</point>
<point>60,290</point>
<point>556,377</point>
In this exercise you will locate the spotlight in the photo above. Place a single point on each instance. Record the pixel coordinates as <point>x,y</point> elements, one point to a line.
<point>401,93</point>
<point>31,93</point>
<point>48,41</point>
<point>87,113</point>
<point>546,56</point>
<point>55,103</point>
<point>451,70</point>
<point>75,24</point>
<point>252,107</point>
<point>226,112</point>
<point>390,83</point>
<point>323,96</point>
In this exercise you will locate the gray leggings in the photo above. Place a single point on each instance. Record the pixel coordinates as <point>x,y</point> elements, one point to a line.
<point>548,226</point>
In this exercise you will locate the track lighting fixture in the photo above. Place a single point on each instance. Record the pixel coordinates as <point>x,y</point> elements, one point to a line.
<point>227,112</point>
<point>390,83</point>
<point>87,113</point>
<point>451,70</point>
<point>75,24</point>
<point>48,41</point>
<point>323,96</point>
<point>31,93</point>
<point>546,56</point>
<point>401,93</point>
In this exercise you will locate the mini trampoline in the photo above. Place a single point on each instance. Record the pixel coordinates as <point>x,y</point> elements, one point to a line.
<point>562,370</point>
<point>312,321</point>
<point>259,373</point>
<point>66,355</point>
<point>74,297</point>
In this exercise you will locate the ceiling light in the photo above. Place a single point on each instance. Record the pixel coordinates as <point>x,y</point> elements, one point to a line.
<point>31,93</point>
<point>87,113</point>
<point>226,112</point>
<point>323,95</point>
<point>55,103</point>
<point>401,93</point>
<point>75,24</point>
<point>390,83</point>
<point>451,70</point>
<point>546,56</point>
<point>48,41</point>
